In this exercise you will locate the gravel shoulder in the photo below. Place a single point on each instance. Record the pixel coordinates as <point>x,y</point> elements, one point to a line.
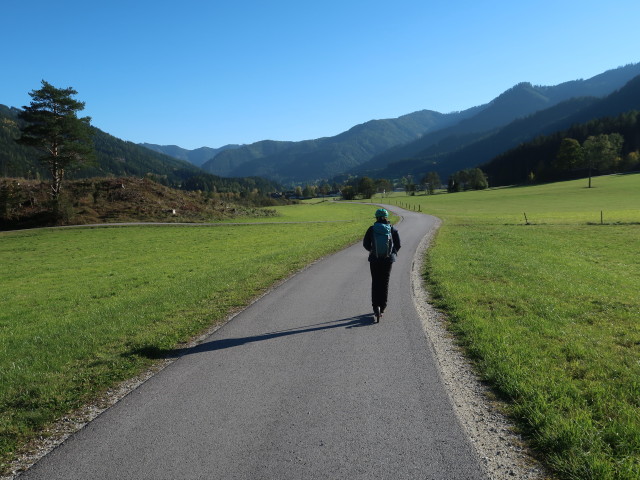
<point>503,451</point>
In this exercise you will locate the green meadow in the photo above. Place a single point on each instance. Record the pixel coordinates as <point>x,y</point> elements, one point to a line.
<point>85,308</point>
<point>548,308</point>
<point>615,198</point>
<point>550,311</point>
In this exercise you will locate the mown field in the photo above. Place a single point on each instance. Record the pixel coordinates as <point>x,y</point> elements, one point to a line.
<point>85,308</point>
<point>550,311</point>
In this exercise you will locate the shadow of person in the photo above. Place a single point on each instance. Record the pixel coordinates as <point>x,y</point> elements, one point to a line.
<point>159,353</point>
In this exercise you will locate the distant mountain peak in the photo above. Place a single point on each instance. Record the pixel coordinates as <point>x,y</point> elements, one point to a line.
<point>519,93</point>
<point>197,157</point>
<point>469,140</point>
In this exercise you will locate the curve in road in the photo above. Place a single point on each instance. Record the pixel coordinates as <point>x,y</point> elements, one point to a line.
<point>300,385</point>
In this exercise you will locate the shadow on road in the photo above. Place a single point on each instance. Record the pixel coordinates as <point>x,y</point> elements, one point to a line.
<point>158,353</point>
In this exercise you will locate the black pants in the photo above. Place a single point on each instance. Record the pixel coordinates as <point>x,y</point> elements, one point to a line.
<point>380,272</point>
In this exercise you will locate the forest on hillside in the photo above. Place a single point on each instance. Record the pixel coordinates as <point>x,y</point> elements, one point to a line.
<point>541,160</point>
<point>119,158</point>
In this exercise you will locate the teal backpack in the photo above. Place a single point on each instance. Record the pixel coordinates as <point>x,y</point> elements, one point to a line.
<point>382,240</point>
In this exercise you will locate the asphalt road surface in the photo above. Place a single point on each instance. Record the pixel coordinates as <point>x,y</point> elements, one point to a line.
<point>300,385</point>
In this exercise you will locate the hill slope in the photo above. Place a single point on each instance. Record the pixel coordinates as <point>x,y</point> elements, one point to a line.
<point>370,147</point>
<point>197,157</point>
<point>413,143</point>
<point>618,113</point>
<point>503,172</point>
<point>483,147</point>
<point>518,102</point>
<point>494,144</point>
<point>116,158</point>
<point>26,204</point>
<point>322,158</point>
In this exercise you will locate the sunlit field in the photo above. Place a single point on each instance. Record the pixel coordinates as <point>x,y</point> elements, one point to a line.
<point>550,311</point>
<point>85,308</point>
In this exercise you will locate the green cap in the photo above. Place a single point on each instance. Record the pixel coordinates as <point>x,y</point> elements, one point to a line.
<point>381,212</point>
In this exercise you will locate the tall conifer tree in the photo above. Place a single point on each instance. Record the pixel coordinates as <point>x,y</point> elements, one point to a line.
<point>53,127</point>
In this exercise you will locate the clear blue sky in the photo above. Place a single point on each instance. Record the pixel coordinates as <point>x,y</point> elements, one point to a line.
<point>208,72</point>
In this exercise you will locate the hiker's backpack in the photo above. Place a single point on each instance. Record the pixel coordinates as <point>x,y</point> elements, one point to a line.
<point>382,240</point>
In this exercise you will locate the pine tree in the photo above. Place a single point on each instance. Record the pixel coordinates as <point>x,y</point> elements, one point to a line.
<point>53,127</point>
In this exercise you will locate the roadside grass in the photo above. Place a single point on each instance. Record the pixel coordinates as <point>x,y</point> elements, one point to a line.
<point>319,211</point>
<point>83,309</point>
<point>551,315</point>
<point>616,196</point>
<point>550,312</point>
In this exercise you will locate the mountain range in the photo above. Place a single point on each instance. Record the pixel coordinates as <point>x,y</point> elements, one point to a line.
<point>424,140</point>
<point>413,144</point>
<point>617,113</point>
<point>477,141</point>
<point>197,157</point>
<point>117,158</point>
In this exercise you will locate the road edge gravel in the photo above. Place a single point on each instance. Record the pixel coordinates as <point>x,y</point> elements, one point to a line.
<point>502,450</point>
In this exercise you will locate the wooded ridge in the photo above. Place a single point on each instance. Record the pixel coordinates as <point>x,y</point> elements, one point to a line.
<point>118,158</point>
<point>412,144</point>
<point>421,141</point>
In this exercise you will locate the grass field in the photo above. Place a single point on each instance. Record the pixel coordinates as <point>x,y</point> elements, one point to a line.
<point>83,309</point>
<point>550,311</point>
<point>616,196</point>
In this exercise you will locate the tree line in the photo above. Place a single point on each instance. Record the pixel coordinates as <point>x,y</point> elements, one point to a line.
<point>366,187</point>
<point>601,146</point>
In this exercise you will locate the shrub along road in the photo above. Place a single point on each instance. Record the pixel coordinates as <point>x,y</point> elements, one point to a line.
<point>301,384</point>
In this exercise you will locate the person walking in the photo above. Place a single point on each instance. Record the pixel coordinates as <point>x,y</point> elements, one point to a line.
<point>382,241</point>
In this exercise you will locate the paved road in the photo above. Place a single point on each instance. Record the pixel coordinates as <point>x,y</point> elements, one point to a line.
<point>301,385</point>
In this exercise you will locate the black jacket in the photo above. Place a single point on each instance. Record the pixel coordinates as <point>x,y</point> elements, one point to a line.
<point>367,243</point>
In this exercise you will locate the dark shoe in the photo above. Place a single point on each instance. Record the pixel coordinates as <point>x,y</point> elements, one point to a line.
<point>376,312</point>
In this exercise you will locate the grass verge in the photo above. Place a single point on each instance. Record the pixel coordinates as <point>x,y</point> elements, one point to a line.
<point>86,308</point>
<point>550,313</point>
